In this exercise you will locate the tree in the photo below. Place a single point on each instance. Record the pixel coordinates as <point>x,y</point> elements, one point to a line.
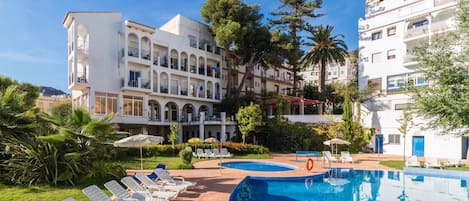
<point>406,122</point>
<point>347,117</point>
<point>249,117</point>
<point>238,29</point>
<point>445,64</point>
<point>292,18</point>
<point>325,49</point>
<point>174,128</point>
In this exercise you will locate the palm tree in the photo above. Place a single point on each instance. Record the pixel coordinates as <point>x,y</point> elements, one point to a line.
<point>325,49</point>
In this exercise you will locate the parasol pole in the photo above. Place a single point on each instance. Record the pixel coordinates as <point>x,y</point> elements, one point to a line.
<point>141,158</point>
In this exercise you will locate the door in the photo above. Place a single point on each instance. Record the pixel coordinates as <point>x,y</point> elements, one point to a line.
<point>418,145</point>
<point>379,141</point>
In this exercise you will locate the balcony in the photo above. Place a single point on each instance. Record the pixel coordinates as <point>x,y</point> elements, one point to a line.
<point>201,70</point>
<point>184,92</point>
<point>155,60</point>
<point>164,61</point>
<point>145,54</point>
<point>136,85</point>
<point>164,89</point>
<point>174,63</point>
<point>133,51</point>
<point>217,50</point>
<point>193,69</point>
<point>441,26</point>
<point>442,2</point>
<point>81,82</point>
<point>416,32</point>
<point>410,60</point>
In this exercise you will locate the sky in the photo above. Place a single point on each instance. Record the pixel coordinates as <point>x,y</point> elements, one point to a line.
<point>33,41</point>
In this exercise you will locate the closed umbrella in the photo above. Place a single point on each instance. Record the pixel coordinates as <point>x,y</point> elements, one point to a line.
<point>139,140</point>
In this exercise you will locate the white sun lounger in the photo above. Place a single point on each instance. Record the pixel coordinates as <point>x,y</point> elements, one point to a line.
<point>69,199</point>
<point>150,184</point>
<point>120,192</point>
<point>412,162</point>
<point>164,176</point>
<point>328,157</point>
<point>130,183</point>
<point>200,153</point>
<point>224,152</point>
<point>453,162</point>
<point>94,193</point>
<point>431,162</point>
<point>345,157</point>
<point>208,153</point>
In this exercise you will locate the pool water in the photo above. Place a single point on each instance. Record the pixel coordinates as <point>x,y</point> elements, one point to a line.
<point>258,166</point>
<point>354,185</point>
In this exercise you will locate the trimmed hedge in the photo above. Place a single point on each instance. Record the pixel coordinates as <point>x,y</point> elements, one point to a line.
<point>167,150</point>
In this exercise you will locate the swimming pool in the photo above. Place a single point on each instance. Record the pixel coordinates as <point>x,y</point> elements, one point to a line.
<point>258,166</point>
<point>349,184</point>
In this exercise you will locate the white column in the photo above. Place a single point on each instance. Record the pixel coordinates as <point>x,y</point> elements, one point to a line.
<point>201,126</point>
<point>223,126</point>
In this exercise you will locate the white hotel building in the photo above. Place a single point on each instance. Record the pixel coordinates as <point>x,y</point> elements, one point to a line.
<point>334,73</point>
<point>388,35</point>
<point>148,77</point>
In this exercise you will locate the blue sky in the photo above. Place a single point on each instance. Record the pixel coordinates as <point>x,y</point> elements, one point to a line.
<point>33,40</point>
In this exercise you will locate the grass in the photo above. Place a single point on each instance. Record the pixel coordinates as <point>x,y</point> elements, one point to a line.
<point>44,192</point>
<point>39,193</point>
<point>399,164</point>
<point>173,162</point>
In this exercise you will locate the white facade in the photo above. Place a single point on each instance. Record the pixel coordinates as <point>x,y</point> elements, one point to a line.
<point>389,33</point>
<point>334,73</point>
<point>148,77</point>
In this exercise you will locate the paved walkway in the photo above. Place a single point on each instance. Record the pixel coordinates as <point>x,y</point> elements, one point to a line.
<point>216,184</point>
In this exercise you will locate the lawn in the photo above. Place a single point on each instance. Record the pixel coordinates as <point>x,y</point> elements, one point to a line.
<point>399,164</point>
<point>11,193</point>
<point>172,162</point>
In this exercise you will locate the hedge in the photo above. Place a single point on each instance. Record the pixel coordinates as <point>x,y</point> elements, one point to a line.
<point>167,150</point>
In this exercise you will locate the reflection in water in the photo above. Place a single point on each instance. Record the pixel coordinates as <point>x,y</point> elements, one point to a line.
<point>347,184</point>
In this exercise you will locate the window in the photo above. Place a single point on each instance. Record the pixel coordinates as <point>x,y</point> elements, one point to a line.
<point>391,54</point>
<point>392,31</point>
<point>192,41</point>
<point>377,57</point>
<point>277,73</point>
<point>394,139</point>
<point>374,84</point>
<point>105,103</point>
<point>376,35</point>
<point>418,24</point>
<point>133,106</point>
<point>133,78</point>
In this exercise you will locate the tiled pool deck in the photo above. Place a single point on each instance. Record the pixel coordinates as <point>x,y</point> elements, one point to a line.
<point>216,184</point>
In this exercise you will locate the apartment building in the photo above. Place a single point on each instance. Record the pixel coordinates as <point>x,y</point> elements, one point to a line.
<point>334,73</point>
<point>262,80</point>
<point>47,103</point>
<point>388,36</point>
<point>149,78</point>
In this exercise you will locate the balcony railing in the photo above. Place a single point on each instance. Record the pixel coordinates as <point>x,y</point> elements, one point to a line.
<point>82,78</point>
<point>408,58</point>
<point>184,92</point>
<point>155,60</point>
<point>164,61</point>
<point>193,69</point>
<point>201,70</point>
<point>416,31</point>
<point>174,63</point>
<point>217,50</point>
<point>164,89</point>
<point>133,51</point>
<point>143,84</point>
<point>145,54</point>
<point>193,43</point>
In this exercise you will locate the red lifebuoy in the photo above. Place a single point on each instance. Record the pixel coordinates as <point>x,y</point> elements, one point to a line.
<point>309,164</point>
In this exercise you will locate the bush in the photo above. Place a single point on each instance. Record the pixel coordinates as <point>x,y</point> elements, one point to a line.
<point>167,150</point>
<point>185,166</point>
<point>102,172</point>
<point>282,136</point>
<point>186,156</point>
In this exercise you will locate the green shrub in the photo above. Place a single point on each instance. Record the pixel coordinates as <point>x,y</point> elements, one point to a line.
<point>167,150</point>
<point>186,156</point>
<point>102,172</point>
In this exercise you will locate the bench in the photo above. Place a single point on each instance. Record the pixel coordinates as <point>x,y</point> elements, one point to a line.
<point>307,154</point>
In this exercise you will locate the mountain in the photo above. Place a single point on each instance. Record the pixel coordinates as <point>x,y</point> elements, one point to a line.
<point>50,91</point>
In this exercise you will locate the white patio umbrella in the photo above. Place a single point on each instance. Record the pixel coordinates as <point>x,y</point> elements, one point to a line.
<point>139,140</point>
<point>335,141</point>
